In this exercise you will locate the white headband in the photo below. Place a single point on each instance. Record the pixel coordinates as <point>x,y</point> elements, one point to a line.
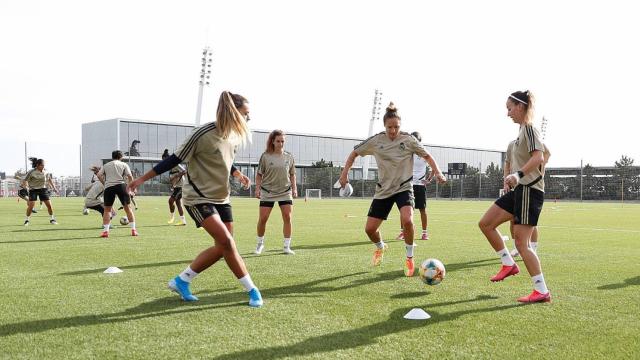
<point>515,98</point>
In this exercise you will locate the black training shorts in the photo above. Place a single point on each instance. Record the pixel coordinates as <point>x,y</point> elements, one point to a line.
<point>200,212</point>
<point>380,208</point>
<point>524,203</point>
<point>120,191</point>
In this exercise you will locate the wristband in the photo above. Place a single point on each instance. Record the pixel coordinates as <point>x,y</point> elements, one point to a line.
<point>520,174</point>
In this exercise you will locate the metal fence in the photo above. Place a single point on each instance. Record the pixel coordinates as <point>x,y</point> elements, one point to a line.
<point>608,184</point>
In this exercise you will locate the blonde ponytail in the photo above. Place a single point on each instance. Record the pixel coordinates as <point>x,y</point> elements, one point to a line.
<point>230,122</point>
<point>530,108</point>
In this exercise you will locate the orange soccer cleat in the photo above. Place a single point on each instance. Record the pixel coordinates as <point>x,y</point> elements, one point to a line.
<point>535,297</point>
<point>409,267</point>
<point>505,272</point>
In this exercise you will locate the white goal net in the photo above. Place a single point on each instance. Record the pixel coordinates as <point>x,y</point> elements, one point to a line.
<point>313,194</point>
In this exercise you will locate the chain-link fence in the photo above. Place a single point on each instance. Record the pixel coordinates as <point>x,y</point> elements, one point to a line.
<point>608,184</point>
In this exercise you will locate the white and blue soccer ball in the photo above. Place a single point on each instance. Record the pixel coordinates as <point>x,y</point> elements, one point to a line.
<point>124,220</point>
<point>432,271</point>
<point>85,211</point>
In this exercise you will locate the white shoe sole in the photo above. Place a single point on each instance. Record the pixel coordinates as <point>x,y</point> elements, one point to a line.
<point>171,285</point>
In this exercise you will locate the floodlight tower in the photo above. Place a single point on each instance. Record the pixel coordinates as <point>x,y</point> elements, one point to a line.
<point>375,116</point>
<point>205,75</point>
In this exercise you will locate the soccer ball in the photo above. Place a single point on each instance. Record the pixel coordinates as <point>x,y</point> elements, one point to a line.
<point>124,220</point>
<point>432,271</point>
<point>85,211</point>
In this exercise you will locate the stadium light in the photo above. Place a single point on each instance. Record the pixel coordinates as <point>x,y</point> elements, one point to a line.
<point>205,76</point>
<point>375,116</point>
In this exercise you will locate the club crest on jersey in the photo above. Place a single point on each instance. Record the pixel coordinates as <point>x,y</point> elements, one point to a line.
<point>402,146</point>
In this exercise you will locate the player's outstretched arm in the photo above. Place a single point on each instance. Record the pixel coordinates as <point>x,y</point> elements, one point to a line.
<point>435,170</point>
<point>344,176</point>
<point>162,167</point>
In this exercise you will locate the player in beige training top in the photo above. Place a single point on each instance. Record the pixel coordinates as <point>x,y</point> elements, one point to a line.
<point>209,153</point>
<point>393,151</point>
<point>524,203</point>
<point>507,171</point>
<point>115,175</point>
<point>36,180</point>
<point>276,181</point>
<point>176,179</point>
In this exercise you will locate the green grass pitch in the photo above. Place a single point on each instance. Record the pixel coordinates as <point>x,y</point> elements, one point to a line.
<point>326,302</point>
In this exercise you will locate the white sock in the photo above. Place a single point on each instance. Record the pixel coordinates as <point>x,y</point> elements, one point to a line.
<point>287,242</point>
<point>53,217</point>
<point>534,246</point>
<point>505,257</point>
<point>188,274</point>
<point>539,284</point>
<point>424,231</point>
<point>260,239</point>
<point>380,245</point>
<point>247,282</point>
<point>409,250</point>
<point>184,221</point>
<point>133,225</point>
<point>28,218</point>
<point>106,227</point>
<point>172,216</point>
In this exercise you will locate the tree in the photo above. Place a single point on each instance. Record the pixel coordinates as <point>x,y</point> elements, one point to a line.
<point>322,164</point>
<point>627,176</point>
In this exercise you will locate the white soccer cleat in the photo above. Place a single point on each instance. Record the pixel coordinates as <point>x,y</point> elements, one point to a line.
<point>259,248</point>
<point>288,251</point>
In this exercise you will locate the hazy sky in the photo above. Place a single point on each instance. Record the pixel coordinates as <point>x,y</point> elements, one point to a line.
<point>312,66</point>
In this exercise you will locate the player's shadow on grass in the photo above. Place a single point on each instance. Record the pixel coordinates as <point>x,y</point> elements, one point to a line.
<point>364,336</point>
<point>170,306</point>
<point>46,240</point>
<point>57,228</point>
<point>627,282</point>
<point>161,307</point>
<point>128,267</point>
<point>304,247</point>
<point>332,246</point>
<point>471,264</point>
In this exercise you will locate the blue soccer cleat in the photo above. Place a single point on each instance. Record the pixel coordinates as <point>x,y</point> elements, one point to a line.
<point>255,299</point>
<point>181,287</point>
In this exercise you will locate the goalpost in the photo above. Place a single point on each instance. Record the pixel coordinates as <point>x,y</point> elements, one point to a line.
<point>312,194</point>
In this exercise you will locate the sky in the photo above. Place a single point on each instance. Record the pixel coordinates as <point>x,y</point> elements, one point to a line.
<point>313,67</point>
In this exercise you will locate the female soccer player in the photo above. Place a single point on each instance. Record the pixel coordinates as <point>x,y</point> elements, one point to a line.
<point>419,190</point>
<point>37,180</point>
<point>176,179</point>
<point>209,152</point>
<point>507,170</point>
<point>94,199</point>
<point>276,181</point>
<point>393,151</point>
<point>115,175</point>
<point>524,203</point>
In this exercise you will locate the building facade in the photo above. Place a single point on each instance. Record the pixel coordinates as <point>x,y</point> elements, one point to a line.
<point>143,143</point>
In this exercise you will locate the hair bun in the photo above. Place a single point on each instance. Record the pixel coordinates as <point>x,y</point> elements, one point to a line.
<point>391,107</point>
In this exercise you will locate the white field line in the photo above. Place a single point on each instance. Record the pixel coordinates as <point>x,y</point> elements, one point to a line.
<point>552,227</point>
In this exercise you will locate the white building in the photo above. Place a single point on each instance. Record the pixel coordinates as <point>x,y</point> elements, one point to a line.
<point>143,142</point>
